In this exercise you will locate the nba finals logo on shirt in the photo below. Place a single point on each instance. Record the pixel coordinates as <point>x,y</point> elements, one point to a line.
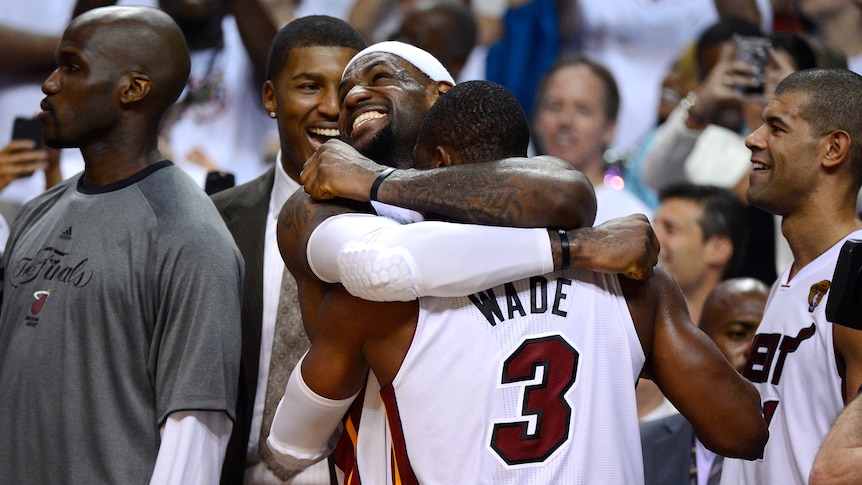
<point>816,294</point>
<point>41,297</point>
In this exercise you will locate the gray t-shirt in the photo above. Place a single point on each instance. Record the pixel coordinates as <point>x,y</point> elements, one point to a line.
<point>121,305</point>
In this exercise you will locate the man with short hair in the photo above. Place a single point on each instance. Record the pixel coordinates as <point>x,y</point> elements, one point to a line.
<point>306,60</point>
<point>807,168</point>
<point>703,231</point>
<point>119,330</point>
<point>575,119</point>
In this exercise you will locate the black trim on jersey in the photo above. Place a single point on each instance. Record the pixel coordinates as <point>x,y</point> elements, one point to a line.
<point>121,184</point>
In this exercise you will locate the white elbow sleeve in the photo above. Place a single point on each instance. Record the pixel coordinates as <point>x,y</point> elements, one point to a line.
<point>441,259</point>
<point>329,238</point>
<point>376,272</point>
<point>378,259</point>
<point>304,428</point>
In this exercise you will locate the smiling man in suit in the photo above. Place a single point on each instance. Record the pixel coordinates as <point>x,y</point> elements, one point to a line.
<point>305,63</point>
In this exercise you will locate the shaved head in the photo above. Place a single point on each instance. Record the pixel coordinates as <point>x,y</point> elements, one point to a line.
<point>731,315</point>
<point>142,40</point>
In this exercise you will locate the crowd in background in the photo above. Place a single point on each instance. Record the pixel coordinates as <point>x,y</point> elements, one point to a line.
<point>652,101</point>
<point>655,55</point>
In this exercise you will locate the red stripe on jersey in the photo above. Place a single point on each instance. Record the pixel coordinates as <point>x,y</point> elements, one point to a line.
<point>402,472</point>
<point>344,454</point>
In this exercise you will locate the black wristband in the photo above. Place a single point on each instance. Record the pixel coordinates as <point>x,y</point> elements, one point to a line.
<point>378,181</point>
<point>564,247</point>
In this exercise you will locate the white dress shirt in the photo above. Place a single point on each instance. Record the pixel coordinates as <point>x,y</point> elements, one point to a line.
<point>273,270</point>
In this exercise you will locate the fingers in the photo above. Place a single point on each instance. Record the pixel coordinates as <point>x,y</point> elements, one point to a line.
<point>726,52</point>
<point>309,171</point>
<point>643,267</point>
<point>18,145</point>
<point>23,169</point>
<point>20,157</point>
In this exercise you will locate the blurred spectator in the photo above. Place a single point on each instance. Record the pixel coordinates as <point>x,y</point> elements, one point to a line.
<point>526,50</point>
<point>575,118</point>
<point>218,123</point>
<point>22,158</point>
<point>703,231</point>
<point>445,28</point>
<point>677,138</point>
<point>679,81</point>
<point>839,24</point>
<point>638,41</point>
<point>379,20</point>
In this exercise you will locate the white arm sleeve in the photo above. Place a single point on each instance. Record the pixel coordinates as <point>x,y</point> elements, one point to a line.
<point>329,238</point>
<point>385,261</point>
<point>305,425</point>
<point>192,449</point>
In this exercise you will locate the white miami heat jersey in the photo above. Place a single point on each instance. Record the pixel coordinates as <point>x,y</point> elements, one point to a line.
<point>527,382</point>
<point>793,366</point>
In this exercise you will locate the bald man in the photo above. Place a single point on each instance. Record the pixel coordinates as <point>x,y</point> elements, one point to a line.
<point>120,329</point>
<point>731,315</point>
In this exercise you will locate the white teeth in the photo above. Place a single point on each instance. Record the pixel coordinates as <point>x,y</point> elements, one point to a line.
<point>370,115</point>
<point>759,166</point>
<point>330,132</point>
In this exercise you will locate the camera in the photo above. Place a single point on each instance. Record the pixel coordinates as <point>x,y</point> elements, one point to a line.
<point>844,305</point>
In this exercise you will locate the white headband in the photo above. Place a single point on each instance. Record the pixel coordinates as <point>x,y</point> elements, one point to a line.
<point>423,61</point>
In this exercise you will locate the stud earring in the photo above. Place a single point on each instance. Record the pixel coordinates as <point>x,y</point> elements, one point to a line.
<point>272,114</point>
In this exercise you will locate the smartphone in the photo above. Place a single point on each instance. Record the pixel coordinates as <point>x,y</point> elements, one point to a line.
<point>844,303</point>
<point>218,181</point>
<point>28,129</point>
<point>752,50</point>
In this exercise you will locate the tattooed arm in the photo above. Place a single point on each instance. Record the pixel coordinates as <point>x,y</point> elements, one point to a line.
<point>515,192</point>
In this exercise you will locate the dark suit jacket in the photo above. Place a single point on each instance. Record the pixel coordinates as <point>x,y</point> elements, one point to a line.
<point>666,445</point>
<point>244,209</point>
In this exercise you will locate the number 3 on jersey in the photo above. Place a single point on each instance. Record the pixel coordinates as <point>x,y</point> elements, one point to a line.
<point>545,368</point>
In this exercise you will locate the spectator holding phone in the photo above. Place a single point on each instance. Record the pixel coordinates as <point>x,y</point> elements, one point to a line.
<point>22,157</point>
<point>702,141</point>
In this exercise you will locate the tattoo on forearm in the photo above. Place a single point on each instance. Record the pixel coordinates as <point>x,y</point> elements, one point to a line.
<point>497,205</point>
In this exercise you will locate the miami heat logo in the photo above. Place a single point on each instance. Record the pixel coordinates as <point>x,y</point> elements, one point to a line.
<point>41,297</point>
<point>816,294</point>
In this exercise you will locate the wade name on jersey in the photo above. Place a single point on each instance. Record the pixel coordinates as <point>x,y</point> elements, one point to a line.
<point>540,300</point>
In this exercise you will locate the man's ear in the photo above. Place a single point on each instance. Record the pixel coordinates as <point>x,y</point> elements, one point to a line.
<point>837,148</point>
<point>441,158</point>
<point>270,103</point>
<point>719,250</point>
<point>442,87</point>
<point>136,87</point>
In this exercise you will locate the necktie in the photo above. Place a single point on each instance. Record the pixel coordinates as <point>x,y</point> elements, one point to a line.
<point>288,345</point>
<point>714,477</point>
